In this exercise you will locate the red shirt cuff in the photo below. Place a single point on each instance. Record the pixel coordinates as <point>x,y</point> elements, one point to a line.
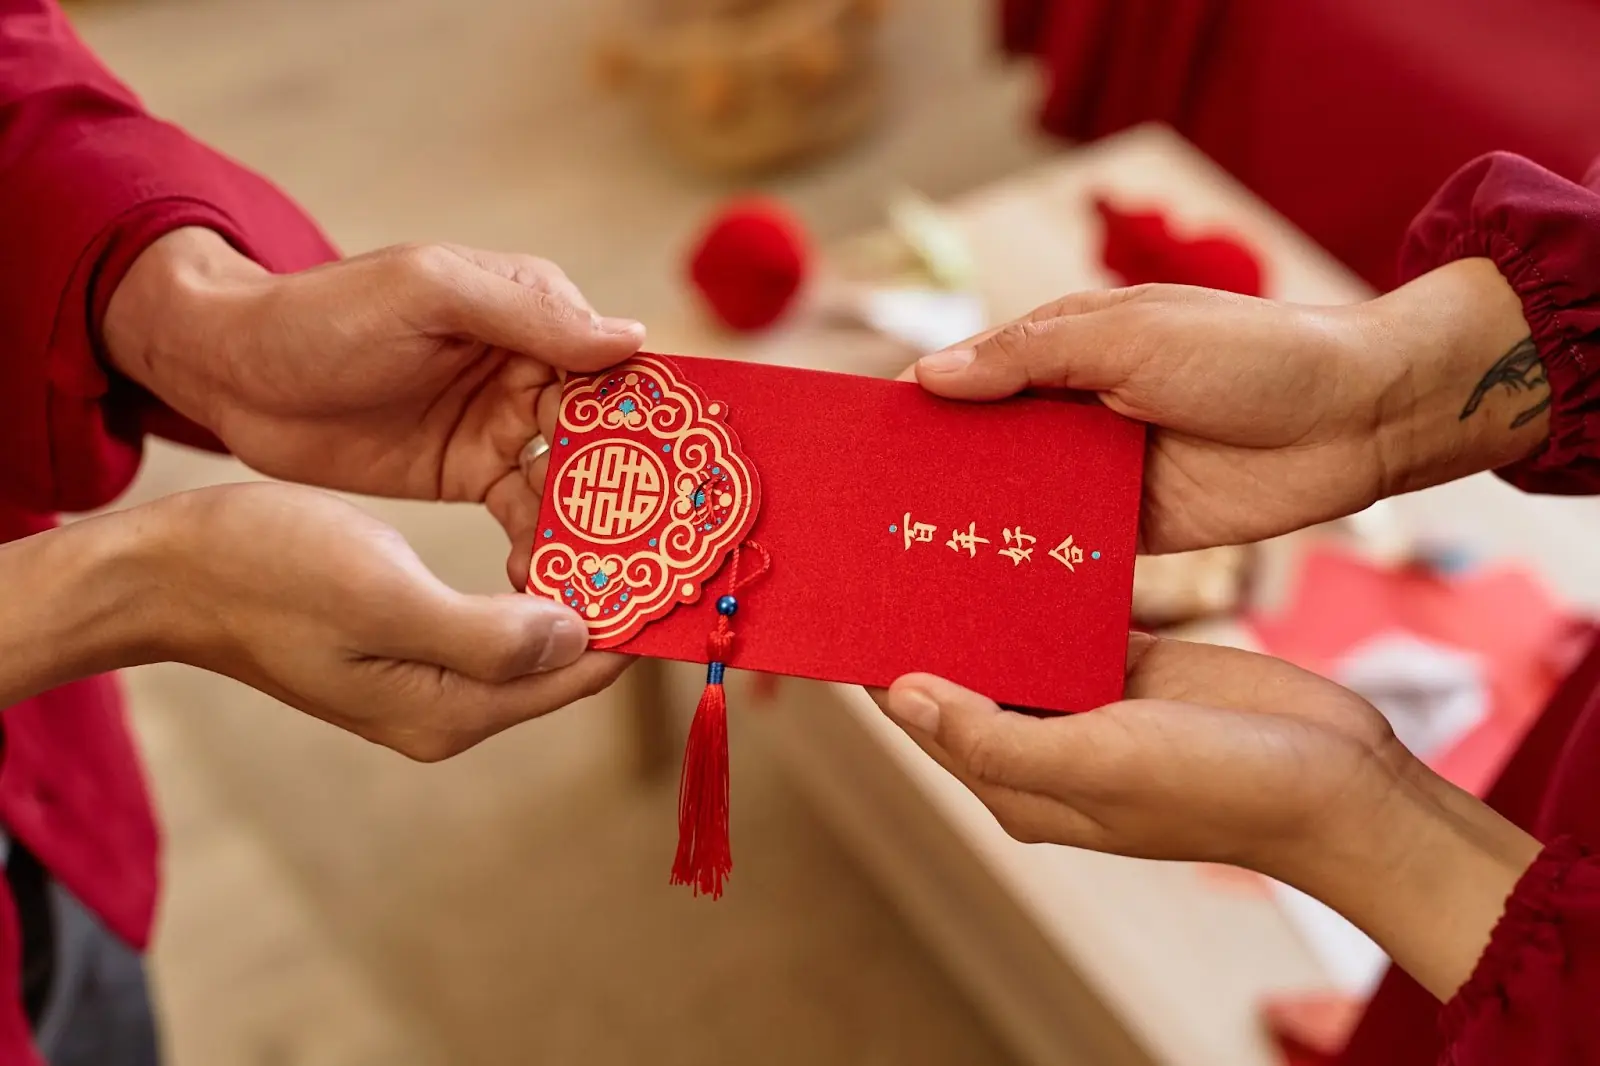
<point>1543,232</point>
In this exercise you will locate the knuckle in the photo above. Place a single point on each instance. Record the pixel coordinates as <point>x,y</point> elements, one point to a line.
<point>980,755</point>
<point>1018,342</point>
<point>423,259</point>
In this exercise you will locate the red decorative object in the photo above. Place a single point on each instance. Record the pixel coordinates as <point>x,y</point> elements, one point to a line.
<point>1141,248</point>
<point>992,544</point>
<point>750,263</point>
<point>1007,565</point>
<point>647,494</point>
<point>705,856</point>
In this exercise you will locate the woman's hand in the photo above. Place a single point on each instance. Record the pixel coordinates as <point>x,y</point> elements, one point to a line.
<point>1224,756</point>
<point>1269,417</point>
<point>300,595</point>
<point>410,371</point>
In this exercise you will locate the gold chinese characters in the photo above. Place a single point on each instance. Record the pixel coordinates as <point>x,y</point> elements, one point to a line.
<point>1018,544</point>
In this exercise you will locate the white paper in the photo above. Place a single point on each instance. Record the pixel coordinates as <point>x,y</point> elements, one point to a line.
<point>926,319</point>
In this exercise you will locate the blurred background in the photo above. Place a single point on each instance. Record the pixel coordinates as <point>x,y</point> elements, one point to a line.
<point>925,167</point>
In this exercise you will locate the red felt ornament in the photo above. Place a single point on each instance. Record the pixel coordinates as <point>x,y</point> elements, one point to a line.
<point>750,263</point>
<point>1140,248</point>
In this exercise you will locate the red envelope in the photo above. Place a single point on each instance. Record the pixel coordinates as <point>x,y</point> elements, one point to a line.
<point>992,544</point>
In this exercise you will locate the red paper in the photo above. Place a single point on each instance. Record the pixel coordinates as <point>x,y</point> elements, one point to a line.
<point>1500,614</point>
<point>992,544</point>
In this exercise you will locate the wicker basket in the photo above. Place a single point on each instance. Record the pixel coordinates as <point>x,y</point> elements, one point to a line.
<point>737,86</point>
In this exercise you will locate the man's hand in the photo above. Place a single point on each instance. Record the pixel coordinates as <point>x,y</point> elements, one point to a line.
<point>1269,417</point>
<point>410,371</point>
<point>1224,756</point>
<point>313,601</point>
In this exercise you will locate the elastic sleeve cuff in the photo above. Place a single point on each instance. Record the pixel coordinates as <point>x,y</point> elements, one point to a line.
<point>1528,934</point>
<point>1543,232</point>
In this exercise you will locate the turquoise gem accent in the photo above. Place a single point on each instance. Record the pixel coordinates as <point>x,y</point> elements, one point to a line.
<point>1094,555</point>
<point>894,528</point>
<point>626,407</point>
<point>666,447</point>
<point>549,533</point>
<point>598,579</point>
<point>563,440</point>
<point>652,542</point>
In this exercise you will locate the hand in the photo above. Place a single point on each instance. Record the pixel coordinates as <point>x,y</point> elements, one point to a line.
<point>1219,755</point>
<point>309,599</point>
<point>410,371</point>
<point>1269,417</point>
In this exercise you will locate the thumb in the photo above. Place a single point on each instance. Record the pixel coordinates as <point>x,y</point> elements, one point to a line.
<point>987,744</point>
<point>550,326</point>
<point>1081,352</point>
<point>498,638</point>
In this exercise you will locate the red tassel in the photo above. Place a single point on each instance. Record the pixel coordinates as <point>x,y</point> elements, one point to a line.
<point>705,857</point>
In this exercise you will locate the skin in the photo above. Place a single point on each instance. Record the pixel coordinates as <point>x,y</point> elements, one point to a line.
<point>310,600</point>
<point>1265,418</point>
<point>413,371</point>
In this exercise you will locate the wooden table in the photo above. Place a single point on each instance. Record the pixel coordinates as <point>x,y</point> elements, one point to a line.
<point>1079,957</point>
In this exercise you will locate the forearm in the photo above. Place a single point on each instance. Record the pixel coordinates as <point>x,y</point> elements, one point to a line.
<point>1427,878</point>
<point>1466,391</point>
<point>80,600</point>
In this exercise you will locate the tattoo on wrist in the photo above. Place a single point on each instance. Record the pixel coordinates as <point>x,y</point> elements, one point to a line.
<point>1518,371</point>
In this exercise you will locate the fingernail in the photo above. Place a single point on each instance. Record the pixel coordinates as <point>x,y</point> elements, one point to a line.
<point>566,640</point>
<point>948,362</point>
<point>915,709</point>
<point>618,325</point>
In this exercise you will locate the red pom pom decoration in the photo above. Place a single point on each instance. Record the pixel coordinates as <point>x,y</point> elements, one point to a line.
<point>1140,249</point>
<point>750,264</point>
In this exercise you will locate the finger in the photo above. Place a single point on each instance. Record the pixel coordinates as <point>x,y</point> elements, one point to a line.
<point>1218,676</point>
<point>462,711</point>
<point>520,560</point>
<point>1055,755</point>
<point>547,410</point>
<point>527,270</point>
<point>489,638</point>
<point>1027,816</point>
<point>538,320</point>
<point>495,708</point>
<point>1090,352</point>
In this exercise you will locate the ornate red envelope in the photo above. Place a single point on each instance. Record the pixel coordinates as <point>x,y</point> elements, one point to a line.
<point>851,529</point>
<point>992,544</point>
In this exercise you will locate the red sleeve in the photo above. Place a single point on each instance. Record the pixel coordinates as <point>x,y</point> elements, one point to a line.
<point>1544,233</point>
<point>1532,997</point>
<point>88,179</point>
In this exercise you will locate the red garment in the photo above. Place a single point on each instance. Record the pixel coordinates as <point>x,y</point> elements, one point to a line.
<point>1532,999</point>
<point>87,181</point>
<point>1344,115</point>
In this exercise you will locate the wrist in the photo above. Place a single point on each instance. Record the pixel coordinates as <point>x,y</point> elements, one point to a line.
<point>1420,866</point>
<point>166,324</point>
<point>82,600</point>
<point>1463,388</point>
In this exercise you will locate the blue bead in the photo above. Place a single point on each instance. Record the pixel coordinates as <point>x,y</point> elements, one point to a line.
<point>666,447</point>
<point>1094,555</point>
<point>563,440</point>
<point>714,673</point>
<point>549,533</point>
<point>727,605</point>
